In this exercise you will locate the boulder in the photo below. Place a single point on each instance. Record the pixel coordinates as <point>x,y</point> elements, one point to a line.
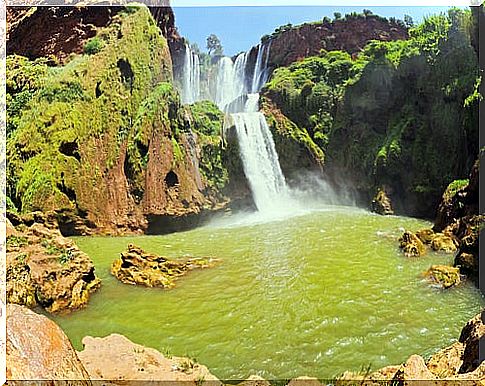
<point>441,242</point>
<point>411,245</point>
<point>119,360</point>
<point>470,336</point>
<point>447,362</point>
<point>304,381</point>
<point>46,269</point>
<point>413,369</point>
<point>381,203</point>
<point>135,266</point>
<point>444,275</point>
<point>255,380</point>
<point>425,235</point>
<point>37,349</point>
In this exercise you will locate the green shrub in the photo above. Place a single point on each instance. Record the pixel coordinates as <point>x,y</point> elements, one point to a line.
<point>93,46</point>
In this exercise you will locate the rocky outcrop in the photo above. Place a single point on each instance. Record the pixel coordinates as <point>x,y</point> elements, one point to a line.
<point>443,275</point>
<point>350,35</point>
<point>116,359</point>
<point>37,349</point>
<point>122,154</point>
<point>459,217</point>
<point>411,245</point>
<point>459,200</point>
<point>453,365</point>
<point>69,29</point>
<point>138,267</point>
<point>381,204</point>
<point>46,269</point>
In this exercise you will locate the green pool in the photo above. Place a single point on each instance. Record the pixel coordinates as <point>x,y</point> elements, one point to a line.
<point>314,294</point>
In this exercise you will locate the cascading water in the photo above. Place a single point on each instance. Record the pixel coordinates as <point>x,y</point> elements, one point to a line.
<point>238,96</point>
<point>190,77</point>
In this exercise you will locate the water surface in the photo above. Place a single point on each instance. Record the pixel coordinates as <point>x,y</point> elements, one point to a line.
<point>314,294</point>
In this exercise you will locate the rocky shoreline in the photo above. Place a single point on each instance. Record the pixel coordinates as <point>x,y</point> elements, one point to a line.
<point>37,349</point>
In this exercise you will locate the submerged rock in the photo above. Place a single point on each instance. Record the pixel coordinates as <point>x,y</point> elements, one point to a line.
<point>135,266</point>
<point>119,360</point>
<point>411,244</point>
<point>46,269</point>
<point>37,349</point>
<point>381,204</point>
<point>444,275</point>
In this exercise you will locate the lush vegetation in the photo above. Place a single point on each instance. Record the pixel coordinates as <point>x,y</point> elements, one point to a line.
<point>401,113</point>
<point>66,124</point>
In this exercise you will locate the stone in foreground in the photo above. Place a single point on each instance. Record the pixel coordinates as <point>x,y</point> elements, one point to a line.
<point>37,349</point>
<point>46,269</point>
<point>117,359</point>
<point>135,266</point>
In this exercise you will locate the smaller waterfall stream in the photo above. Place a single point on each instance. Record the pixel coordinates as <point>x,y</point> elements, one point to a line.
<point>190,92</point>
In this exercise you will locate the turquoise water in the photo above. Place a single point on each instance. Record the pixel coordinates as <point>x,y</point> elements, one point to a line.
<point>314,294</point>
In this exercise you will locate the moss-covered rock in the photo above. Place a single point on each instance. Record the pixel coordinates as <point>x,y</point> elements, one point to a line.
<point>443,275</point>
<point>381,204</point>
<point>386,116</point>
<point>441,242</point>
<point>104,135</point>
<point>135,266</point>
<point>411,245</point>
<point>45,269</point>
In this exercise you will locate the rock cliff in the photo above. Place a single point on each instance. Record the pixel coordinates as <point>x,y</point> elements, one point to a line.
<point>114,149</point>
<point>351,34</point>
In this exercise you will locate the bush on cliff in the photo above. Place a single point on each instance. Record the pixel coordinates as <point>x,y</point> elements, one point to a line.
<point>401,113</point>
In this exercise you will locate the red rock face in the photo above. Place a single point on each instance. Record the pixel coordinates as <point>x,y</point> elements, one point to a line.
<point>68,29</point>
<point>346,35</point>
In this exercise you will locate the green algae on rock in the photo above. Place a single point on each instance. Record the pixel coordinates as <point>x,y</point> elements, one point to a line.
<point>444,275</point>
<point>411,245</point>
<point>135,266</point>
<point>381,204</point>
<point>104,135</point>
<point>48,270</point>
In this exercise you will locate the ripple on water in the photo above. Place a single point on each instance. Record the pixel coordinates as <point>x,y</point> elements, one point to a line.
<point>316,293</point>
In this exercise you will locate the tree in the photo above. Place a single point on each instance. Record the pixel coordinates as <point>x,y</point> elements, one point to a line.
<point>337,15</point>
<point>367,12</point>
<point>408,20</point>
<point>214,46</point>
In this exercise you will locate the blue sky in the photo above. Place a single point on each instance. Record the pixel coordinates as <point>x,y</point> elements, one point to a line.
<point>239,28</point>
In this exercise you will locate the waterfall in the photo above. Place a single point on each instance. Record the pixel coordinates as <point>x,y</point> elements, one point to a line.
<point>190,77</point>
<point>260,160</point>
<point>238,96</point>
<point>260,75</point>
<point>231,80</point>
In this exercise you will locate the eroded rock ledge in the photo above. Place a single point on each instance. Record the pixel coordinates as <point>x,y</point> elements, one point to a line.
<point>135,266</point>
<point>46,269</point>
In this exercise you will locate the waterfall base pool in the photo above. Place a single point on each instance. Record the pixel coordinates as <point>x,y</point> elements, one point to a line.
<point>316,294</point>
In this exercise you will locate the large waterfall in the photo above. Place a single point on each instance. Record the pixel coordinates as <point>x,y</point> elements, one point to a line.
<point>236,92</point>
